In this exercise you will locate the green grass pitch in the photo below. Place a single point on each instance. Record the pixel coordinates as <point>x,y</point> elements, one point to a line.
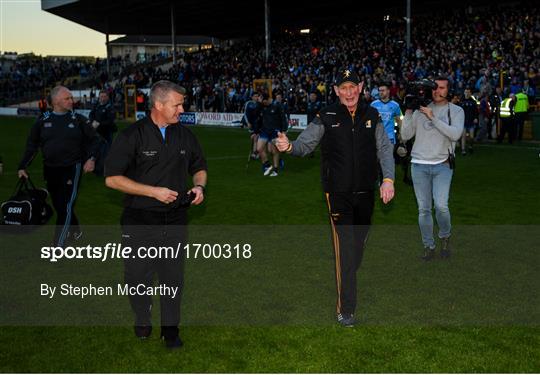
<point>479,312</point>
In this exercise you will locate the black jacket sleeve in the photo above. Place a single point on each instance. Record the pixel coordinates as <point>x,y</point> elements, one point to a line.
<point>91,141</point>
<point>197,162</point>
<point>32,145</point>
<point>111,116</point>
<point>92,114</point>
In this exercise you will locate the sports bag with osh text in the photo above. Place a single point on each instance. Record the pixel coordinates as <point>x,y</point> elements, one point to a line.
<point>28,206</point>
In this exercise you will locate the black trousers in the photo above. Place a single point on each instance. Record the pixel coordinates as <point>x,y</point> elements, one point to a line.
<point>141,228</point>
<point>350,219</point>
<point>508,125</point>
<point>63,186</point>
<point>104,147</point>
<point>520,123</point>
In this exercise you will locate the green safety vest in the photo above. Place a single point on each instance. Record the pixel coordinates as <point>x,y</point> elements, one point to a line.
<point>522,103</point>
<point>505,108</point>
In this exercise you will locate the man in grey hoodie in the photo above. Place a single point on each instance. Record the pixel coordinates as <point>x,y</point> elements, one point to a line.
<point>436,128</point>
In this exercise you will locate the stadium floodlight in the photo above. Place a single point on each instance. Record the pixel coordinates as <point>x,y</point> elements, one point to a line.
<point>304,31</point>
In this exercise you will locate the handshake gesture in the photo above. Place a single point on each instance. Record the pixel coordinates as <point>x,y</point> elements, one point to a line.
<point>282,142</point>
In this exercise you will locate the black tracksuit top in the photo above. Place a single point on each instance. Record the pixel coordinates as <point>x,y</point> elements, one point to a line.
<point>64,139</point>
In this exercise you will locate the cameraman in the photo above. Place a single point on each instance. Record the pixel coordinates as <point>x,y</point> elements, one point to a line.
<point>436,127</point>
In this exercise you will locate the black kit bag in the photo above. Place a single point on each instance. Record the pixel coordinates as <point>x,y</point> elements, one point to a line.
<point>27,206</point>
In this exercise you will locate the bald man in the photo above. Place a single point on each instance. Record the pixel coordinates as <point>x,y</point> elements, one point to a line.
<point>69,145</point>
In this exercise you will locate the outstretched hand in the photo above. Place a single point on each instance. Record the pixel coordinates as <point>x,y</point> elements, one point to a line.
<point>282,142</point>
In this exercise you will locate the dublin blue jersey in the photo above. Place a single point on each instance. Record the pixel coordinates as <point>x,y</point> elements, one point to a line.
<point>388,111</point>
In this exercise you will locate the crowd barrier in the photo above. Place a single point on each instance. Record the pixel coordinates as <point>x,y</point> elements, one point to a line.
<point>296,121</point>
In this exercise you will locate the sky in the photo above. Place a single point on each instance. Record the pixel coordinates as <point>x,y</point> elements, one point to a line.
<point>25,28</point>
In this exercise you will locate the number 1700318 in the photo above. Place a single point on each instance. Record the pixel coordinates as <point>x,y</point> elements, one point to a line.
<point>218,251</point>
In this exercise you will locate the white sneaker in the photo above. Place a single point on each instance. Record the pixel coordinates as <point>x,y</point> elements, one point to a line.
<point>268,170</point>
<point>274,173</point>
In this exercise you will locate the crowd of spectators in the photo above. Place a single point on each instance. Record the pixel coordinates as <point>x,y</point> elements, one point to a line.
<point>25,77</point>
<point>477,49</point>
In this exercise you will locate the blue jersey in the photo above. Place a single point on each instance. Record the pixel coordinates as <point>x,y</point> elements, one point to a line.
<point>388,111</point>
<point>252,111</point>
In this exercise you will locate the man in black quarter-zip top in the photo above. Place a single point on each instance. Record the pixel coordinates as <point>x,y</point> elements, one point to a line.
<point>150,162</point>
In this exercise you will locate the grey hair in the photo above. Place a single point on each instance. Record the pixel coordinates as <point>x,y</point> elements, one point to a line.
<point>54,92</point>
<point>160,90</point>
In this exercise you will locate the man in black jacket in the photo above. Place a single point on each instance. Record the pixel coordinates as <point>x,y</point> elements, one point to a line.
<point>470,107</point>
<point>353,141</point>
<point>150,162</point>
<point>102,118</point>
<point>67,140</point>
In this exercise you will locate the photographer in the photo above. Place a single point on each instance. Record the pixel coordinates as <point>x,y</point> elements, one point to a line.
<point>436,127</point>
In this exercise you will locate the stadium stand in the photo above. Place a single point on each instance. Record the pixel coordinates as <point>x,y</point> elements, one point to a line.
<point>478,50</point>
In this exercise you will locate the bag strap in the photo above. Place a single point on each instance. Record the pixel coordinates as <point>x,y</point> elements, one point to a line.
<point>30,183</point>
<point>19,186</point>
<point>23,184</point>
<point>452,149</point>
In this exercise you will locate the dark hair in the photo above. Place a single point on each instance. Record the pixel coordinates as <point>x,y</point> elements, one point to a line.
<point>442,78</point>
<point>385,83</point>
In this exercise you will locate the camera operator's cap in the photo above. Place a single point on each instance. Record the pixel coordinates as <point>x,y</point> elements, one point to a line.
<point>347,76</point>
